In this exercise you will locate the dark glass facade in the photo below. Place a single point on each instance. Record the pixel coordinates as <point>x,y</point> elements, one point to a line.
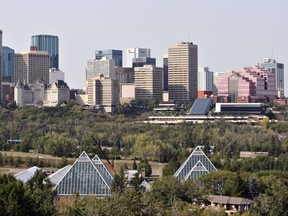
<point>141,61</point>
<point>117,55</point>
<point>165,74</point>
<point>8,62</point>
<point>48,43</point>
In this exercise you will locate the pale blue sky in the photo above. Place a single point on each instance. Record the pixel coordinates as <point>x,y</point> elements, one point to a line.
<point>229,33</point>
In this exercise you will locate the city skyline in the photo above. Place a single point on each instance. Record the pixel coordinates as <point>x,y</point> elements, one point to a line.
<point>228,34</point>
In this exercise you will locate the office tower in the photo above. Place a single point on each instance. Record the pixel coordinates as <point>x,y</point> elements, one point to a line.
<point>50,44</point>
<point>277,69</point>
<point>7,64</point>
<point>103,92</point>
<point>0,66</point>
<point>140,62</point>
<point>31,66</point>
<point>55,74</point>
<point>165,72</point>
<point>110,54</point>
<point>132,53</point>
<point>148,83</point>
<point>103,66</point>
<point>124,75</point>
<point>216,77</point>
<point>182,70</point>
<point>205,79</point>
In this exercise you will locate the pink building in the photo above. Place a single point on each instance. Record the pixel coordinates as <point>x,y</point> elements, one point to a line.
<point>254,81</point>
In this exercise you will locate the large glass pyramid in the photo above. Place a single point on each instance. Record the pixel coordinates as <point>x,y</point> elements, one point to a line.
<point>84,178</point>
<point>195,165</point>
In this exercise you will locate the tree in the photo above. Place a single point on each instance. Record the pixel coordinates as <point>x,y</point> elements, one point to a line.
<point>134,165</point>
<point>119,183</point>
<point>146,166</point>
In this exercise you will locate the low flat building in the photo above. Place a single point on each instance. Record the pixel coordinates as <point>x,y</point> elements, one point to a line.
<point>231,205</point>
<point>256,108</point>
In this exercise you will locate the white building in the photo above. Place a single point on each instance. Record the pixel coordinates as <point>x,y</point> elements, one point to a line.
<point>205,79</point>
<point>103,66</point>
<point>132,53</point>
<point>38,94</point>
<point>55,74</point>
<point>127,92</point>
<point>56,93</point>
<point>103,92</point>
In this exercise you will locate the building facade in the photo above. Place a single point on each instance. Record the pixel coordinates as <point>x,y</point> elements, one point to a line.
<point>117,55</point>
<point>253,81</point>
<point>8,64</point>
<point>277,69</point>
<point>140,62</point>
<point>39,94</point>
<point>148,83</point>
<point>183,71</point>
<point>205,79</point>
<point>132,53</point>
<point>55,74</point>
<point>216,76</point>
<point>165,72</point>
<point>50,44</point>
<point>103,66</point>
<point>31,66</point>
<point>124,75</point>
<point>0,66</point>
<point>103,92</point>
<point>56,93</point>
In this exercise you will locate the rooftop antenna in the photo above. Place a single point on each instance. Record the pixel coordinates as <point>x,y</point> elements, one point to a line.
<point>272,52</point>
<point>189,37</point>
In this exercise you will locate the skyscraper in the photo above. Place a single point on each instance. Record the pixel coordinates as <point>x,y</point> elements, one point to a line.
<point>110,54</point>
<point>50,44</point>
<point>277,69</point>
<point>182,70</point>
<point>165,72</point>
<point>0,66</point>
<point>7,64</point>
<point>205,79</point>
<point>32,66</point>
<point>103,66</point>
<point>148,83</point>
<point>133,53</point>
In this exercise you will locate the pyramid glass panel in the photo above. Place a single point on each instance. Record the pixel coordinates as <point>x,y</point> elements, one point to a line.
<point>103,169</point>
<point>189,170</point>
<point>84,178</point>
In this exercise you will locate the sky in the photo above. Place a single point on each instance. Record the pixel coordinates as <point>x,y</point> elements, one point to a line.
<point>229,33</point>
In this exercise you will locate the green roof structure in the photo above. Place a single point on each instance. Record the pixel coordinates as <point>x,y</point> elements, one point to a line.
<point>195,165</point>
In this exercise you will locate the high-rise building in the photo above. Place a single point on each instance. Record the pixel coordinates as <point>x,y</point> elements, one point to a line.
<point>124,75</point>
<point>110,54</point>
<point>103,66</point>
<point>183,69</point>
<point>50,44</point>
<point>216,77</point>
<point>133,53</point>
<point>165,72</point>
<point>140,62</point>
<point>55,74</point>
<point>7,64</point>
<point>205,79</point>
<point>0,66</point>
<point>103,92</point>
<point>31,66</point>
<point>277,69</point>
<point>148,83</point>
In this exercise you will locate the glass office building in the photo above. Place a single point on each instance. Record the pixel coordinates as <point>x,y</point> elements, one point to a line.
<point>50,44</point>
<point>110,54</point>
<point>8,63</point>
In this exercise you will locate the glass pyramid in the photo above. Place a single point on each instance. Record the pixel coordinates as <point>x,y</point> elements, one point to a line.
<point>84,178</point>
<point>103,169</point>
<point>195,165</point>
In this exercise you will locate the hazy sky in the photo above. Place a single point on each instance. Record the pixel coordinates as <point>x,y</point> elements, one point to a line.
<point>229,33</point>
